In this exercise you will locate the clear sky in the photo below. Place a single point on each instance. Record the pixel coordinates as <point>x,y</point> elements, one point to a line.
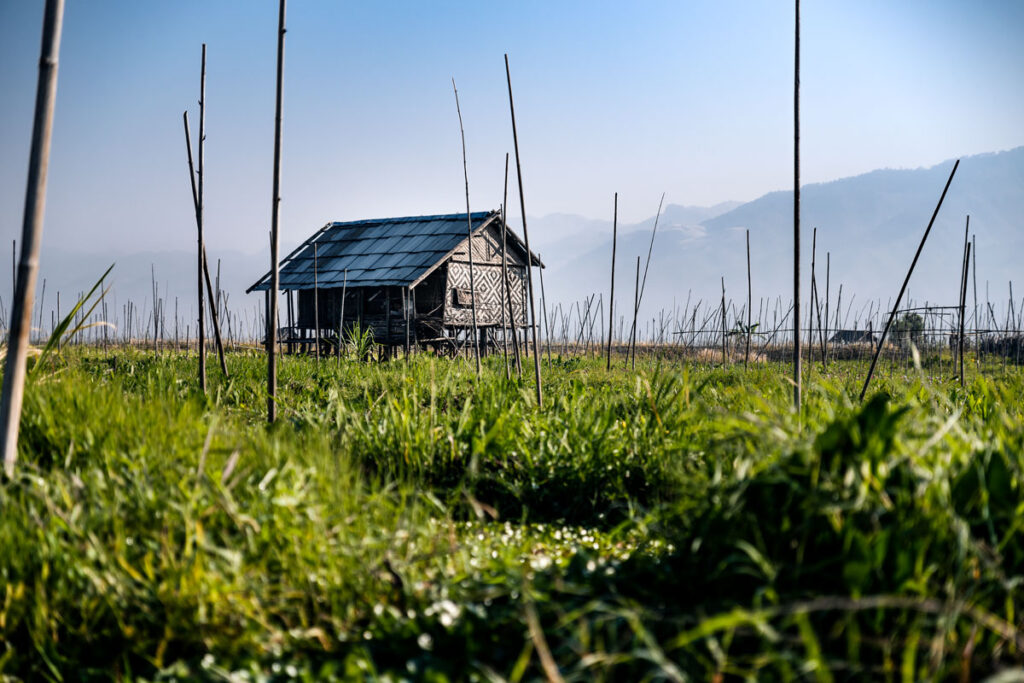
<point>690,98</point>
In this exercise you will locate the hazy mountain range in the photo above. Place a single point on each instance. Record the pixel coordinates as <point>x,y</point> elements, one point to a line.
<point>869,224</point>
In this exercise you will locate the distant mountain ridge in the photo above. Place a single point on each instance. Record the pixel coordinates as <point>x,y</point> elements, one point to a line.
<point>868,228</point>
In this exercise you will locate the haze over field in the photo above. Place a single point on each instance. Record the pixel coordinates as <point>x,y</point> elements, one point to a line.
<point>871,224</point>
<point>693,99</point>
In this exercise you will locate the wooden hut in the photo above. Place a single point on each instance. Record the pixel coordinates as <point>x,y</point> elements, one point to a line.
<point>853,337</point>
<point>407,280</point>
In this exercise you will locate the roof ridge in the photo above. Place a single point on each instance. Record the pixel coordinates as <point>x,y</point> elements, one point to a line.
<point>413,219</point>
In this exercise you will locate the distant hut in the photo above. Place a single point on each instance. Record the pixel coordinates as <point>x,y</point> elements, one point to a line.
<point>853,337</point>
<point>407,280</point>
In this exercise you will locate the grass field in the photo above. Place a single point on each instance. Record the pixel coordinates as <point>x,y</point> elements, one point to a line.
<point>404,521</point>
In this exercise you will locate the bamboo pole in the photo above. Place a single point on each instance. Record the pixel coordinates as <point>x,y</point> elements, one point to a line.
<point>643,284</point>
<point>636,307</point>
<point>813,302</point>
<point>515,337</point>
<point>341,314</point>
<point>526,239</point>
<point>724,333</point>
<point>746,354</point>
<point>42,300</point>
<point>544,313</point>
<point>316,304</point>
<point>275,214</point>
<point>974,278</point>
<point>963,301</point>
<point>906,281</point>
<point>205,264</point>
<point>31,234</point>
<point>963,286</point>
<point>824,328</point>
<point>406,296</point>
<point>156,310</point>
<point>199,222</point>
<point>611,297</point>
<point>469,244</point>
<point>797,387</point>
<point>214,315</point>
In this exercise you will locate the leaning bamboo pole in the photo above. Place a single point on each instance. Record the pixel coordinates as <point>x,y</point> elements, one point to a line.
<point>906,281</point>
<point>31,234</point>
<point>526,239</point>
<point>205,264</point>
<point>469,243</point>
<point>275,213</point>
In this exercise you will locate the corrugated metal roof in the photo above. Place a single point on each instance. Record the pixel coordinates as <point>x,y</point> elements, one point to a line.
<point>376,252</point>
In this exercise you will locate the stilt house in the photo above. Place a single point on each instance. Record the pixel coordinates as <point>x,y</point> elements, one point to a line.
<point>407,280</point>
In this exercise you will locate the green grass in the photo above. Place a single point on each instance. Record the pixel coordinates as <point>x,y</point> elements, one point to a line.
<point>406,521</point>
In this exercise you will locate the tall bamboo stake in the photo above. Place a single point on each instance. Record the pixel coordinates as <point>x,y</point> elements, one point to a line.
<point>199,222</point>
<point>275,213</point>
<point>611,297</point>
<point>906,281</point>
<point>504,277</point>
<point>526,238</point>
<point>31,234</point>
<point>469,244</point>
<point>796,212</point>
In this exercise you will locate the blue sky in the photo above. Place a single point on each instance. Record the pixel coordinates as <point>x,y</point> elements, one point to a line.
<point>693,99</point>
